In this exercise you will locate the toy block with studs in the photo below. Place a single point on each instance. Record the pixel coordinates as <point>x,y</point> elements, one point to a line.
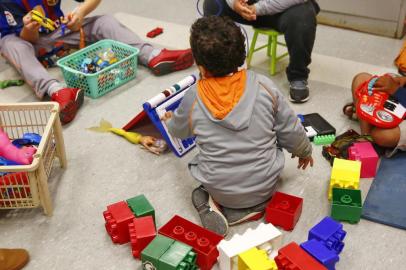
<point>141,207</point>
<point>142,232</point>
<point>324,139</point>
<point>292,257</point>
<point>255,259</point>
<point>284,210</point>
<point>117,217</point>
<point>330,232</point>
<point>321,253</point>
<point>344,174</point>
<point>366,154</point>
<point>265,237</point>
<point>203,241</point>
<point>346,205</point>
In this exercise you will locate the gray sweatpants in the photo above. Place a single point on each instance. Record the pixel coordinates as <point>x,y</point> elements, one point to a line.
<point>22,54</point>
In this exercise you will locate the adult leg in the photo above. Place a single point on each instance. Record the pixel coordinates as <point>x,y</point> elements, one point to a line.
<point>21,54</point>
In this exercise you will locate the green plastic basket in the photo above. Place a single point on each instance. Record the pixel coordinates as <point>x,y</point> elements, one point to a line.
<point>98,84</point>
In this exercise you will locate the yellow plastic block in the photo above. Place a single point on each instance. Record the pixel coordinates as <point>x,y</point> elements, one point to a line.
<point>255,259</point>
<point>345,174</point>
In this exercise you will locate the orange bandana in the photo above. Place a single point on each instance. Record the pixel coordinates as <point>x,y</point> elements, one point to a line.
<point>221,94</point>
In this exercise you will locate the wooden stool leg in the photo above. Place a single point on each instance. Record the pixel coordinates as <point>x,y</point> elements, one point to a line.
<point>252,48</point>
<point>268,51</point>
<point>273,59</point>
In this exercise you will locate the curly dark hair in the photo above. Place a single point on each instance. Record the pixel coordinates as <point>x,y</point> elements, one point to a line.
<point>217,44</point>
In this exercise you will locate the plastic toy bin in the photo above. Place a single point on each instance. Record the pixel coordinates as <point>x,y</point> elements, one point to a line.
<point>109,78</point>
<point>26,186</point>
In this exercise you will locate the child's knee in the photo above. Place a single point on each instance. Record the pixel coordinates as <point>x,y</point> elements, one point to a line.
<point>359,79</point>
<point>107,20</point>
<point>14,45</point>
<point>386,138</point>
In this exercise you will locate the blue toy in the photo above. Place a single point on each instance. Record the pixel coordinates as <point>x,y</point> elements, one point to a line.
<point>6,162</point>
<point>321,253</point>
<point>28,139</point>
<point>330,232</point>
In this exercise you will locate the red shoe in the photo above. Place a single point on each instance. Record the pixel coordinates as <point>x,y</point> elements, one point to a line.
<point>171,60</point>
<point>70,100</point>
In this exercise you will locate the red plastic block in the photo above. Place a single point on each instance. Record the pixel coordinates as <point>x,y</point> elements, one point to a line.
<point>284,210</point>
<point>203,241</point>
<point>292,257</point>
<point>117,217</point>
<point>155,32</point>
<point>142,232</point>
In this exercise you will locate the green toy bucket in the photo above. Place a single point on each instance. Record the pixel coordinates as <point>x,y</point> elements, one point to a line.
<point>98,84</point>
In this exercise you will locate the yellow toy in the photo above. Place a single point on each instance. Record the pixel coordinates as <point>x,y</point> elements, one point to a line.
<point>345,174</point>
<point>255,259</point>
<point>42,20</point>
<point>156,146</point>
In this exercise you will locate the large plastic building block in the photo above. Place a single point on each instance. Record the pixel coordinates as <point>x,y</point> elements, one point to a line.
<point>284,210</point>
<point>366,154</point>
<point>345,174</point>
<point>324,139</point>
<point>142,232</point>
<point>153,252</point>
<point>178,257</point>
<point>141,207</point>
<point>255,259</point>
<point>265,237</point>
<point>330,232</point>
<point>164,253</point>
<point>346,205</point>
<point>292,257</point>
<point>321,253</point>
<point>203,241</point>
<point>117,217</point>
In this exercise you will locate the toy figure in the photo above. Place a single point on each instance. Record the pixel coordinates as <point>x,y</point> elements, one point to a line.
<point>154,145</point>
<point>8,83</point>
<point>9,151</point>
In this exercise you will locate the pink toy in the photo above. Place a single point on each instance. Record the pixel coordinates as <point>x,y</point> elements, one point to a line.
<point>9,151</point>
<point>364,152</point>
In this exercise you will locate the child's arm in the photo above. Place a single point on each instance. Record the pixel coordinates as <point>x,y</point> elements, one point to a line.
<point>394,86</point>
<point>290,132</point>
<point>80,13</point>
<point>179,124</point>
<point>30,30</point>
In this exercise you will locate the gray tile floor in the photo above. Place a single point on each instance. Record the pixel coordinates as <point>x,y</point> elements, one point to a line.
<point>104,169</point>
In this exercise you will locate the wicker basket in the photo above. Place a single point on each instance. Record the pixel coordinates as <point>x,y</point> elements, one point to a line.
<point>26,186</point>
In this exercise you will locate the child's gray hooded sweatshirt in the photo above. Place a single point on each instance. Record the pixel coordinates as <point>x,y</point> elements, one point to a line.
<point>240,157</point>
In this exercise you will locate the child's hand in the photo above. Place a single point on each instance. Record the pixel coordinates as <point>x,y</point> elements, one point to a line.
<point>75,21</point>
<point>400,80</point>
<point>29,24</point>
<point>386,84</point>
<point>304,162</point>
<point>166,116</point>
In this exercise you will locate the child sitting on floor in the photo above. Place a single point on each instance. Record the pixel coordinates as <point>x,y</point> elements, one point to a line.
<point>394,86</point>
<point>241,122</point>
<point>22,37</point>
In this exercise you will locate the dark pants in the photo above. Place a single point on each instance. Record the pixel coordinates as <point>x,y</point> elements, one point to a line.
<point>298,23</point>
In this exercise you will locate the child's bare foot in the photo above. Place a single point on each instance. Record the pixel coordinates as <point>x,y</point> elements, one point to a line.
<point>349,111</point>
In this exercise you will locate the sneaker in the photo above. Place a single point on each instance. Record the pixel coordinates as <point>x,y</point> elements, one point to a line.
<point>13,259</point>
<point>237,216</point>
<point>70,100</point>
<point>209,211</point>
<point>299,91</point>
<point>168,61</point>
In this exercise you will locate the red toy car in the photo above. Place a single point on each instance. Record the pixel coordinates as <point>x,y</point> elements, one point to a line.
<point>153,33</point>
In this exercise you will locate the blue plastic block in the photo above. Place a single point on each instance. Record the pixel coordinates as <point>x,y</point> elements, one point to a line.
<point>321,253</point>
<point>330,232</point>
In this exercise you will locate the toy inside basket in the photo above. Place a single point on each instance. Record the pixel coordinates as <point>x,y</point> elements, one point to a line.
<point>108,78</point>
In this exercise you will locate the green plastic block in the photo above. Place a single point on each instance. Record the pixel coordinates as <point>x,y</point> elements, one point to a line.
<point>346,205</point>
<point>324,139</point>
<point>178,257</point>
<point>153,252</point>
<point>141,207</point>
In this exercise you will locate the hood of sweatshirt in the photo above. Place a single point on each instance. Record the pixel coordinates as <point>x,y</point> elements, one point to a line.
<point>227,100</point>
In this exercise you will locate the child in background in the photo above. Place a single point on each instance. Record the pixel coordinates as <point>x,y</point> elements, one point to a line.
<point>394,86</point>
<point>241,122</point>
<point>21,37</point>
